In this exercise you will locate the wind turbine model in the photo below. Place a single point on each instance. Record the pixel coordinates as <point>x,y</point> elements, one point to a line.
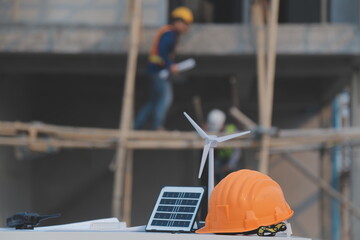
<point>211,142</point>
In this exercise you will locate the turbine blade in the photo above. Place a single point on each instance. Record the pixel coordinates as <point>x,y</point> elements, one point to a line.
<point>197,128</point>
<point>228,137</point>
<point>203,158</point>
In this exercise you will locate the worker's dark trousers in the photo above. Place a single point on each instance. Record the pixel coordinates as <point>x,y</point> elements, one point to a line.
<point>160,99</point>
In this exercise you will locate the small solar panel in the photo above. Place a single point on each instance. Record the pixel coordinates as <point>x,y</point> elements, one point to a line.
<point>175,209</point>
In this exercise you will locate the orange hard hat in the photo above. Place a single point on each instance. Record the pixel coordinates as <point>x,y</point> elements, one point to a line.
<point>244,201</point>
<point>183,13</point>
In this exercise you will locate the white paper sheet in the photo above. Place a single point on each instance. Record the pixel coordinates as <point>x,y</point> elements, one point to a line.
<point>182,66</point>
<point>106,224</point>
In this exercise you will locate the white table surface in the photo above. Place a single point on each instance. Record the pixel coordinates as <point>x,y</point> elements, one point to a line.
<point>86,235</point>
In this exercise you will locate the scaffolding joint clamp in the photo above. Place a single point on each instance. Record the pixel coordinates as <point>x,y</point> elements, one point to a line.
<point>260,131</point>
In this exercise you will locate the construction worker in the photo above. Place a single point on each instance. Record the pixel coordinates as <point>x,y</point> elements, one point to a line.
<point>227,159</point>
<point>162,57</point>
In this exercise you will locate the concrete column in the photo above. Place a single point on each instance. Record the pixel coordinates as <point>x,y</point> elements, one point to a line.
<point>324,4</point>
<point>246,11</point>
<point>355,169</point>
<point>345,11</point>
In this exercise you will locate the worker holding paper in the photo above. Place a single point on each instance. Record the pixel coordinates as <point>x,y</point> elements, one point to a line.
<point>161,66</point>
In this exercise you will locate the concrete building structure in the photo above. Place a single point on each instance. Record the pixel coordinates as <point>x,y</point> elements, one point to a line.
<point>63,62</point>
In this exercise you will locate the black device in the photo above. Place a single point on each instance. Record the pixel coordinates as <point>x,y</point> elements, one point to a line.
<point>25,220</point>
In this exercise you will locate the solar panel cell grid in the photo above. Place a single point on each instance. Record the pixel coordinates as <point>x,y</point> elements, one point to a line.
<point>187,209</point>
<point>192,195</point>
<point>188,202</point>
<point>171,194</point>
<point>165,208</point>
<point>175,209</point>
<point>172,216</point>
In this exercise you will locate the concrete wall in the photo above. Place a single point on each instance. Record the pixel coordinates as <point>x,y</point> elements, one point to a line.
<point>202,39</point>
<point>80,12</point>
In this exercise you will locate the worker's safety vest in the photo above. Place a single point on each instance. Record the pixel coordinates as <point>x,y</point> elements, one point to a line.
<point>224,154</point>
<point>154,56</point>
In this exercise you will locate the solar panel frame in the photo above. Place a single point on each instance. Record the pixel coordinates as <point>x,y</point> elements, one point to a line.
<point>175,209</point>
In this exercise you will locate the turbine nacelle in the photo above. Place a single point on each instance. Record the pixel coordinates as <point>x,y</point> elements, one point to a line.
<point>212,140</point>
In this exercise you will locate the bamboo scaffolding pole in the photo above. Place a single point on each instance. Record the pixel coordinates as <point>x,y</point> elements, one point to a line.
<point>234,91</point>
<point>198,109</point>
<point>79,133</point>
<point>258,22</point>
<point>126,121</point>
<point>269,89</point>
<point>354,210</point>
<point>55,143</point>
<point>242,118</point>
<point>324,157</point>
<point>112,135</point>
<point>128,186</point>
<point>277,144</point>
<point>72,137</point>
<point>271,58</point>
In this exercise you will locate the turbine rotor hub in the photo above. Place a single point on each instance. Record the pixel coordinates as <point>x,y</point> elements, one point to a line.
<point>212,140</point>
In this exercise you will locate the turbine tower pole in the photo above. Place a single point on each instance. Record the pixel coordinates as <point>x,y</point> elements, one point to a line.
<point>211,173</point>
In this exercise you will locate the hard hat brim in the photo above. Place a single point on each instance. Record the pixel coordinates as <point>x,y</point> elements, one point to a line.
<point>207,229</point>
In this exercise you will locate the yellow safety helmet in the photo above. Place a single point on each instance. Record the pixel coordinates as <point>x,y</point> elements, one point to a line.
<point>184,13</point>
<point>244,201</point>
